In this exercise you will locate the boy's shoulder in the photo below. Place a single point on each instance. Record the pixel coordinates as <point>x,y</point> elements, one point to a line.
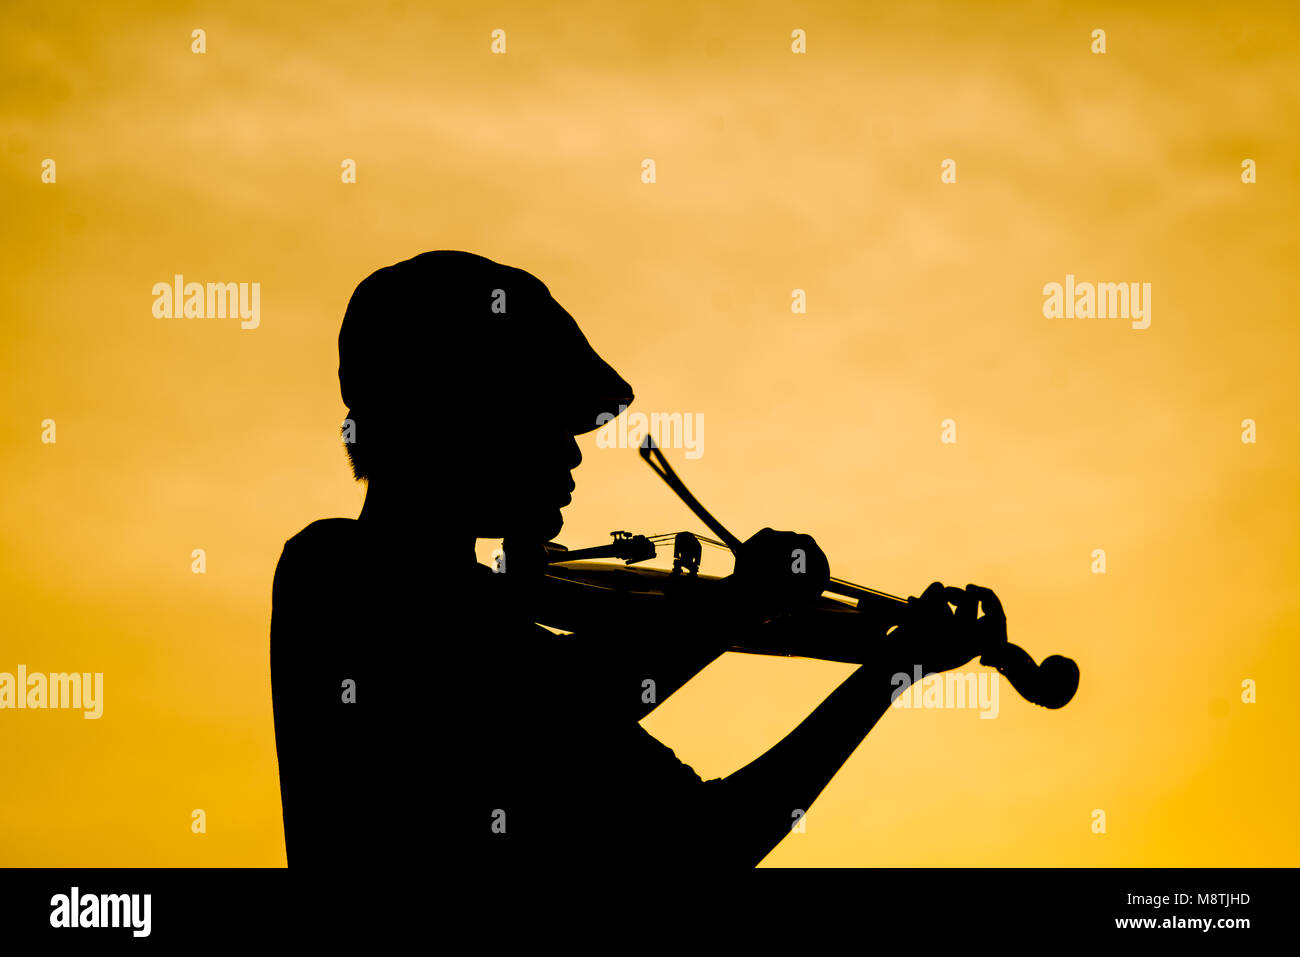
<point>321,546</point>
<point>324,531</point>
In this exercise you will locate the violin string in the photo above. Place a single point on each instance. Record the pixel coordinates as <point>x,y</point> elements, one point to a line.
<point>665,537</point>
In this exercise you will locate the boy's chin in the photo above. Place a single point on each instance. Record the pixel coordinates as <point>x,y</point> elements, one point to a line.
<point>539,527</point>
<point>545,529</point>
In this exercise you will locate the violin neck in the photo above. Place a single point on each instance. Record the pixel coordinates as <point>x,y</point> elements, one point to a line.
<point>839,586</point>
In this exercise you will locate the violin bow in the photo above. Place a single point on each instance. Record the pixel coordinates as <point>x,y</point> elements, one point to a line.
<point>1051,684</point>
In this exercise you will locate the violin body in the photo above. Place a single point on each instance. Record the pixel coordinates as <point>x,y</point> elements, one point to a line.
<point>587,596</point>
<point>593,596</point>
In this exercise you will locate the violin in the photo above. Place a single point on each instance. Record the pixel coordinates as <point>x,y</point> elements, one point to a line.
<point>582,592</point>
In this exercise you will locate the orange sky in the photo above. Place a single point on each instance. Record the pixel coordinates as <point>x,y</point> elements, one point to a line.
<point>775,171</point>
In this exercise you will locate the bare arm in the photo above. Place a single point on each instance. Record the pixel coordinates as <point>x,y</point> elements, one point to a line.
<point>759,803</point>
<point>751,811</point>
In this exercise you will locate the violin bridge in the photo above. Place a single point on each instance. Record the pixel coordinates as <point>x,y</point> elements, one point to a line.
<point>686,554</point>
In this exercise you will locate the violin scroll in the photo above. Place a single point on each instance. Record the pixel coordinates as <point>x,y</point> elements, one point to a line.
<point>1051,684</point>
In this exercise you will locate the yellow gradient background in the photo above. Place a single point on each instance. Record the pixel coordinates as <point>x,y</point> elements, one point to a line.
<point>775,172</point>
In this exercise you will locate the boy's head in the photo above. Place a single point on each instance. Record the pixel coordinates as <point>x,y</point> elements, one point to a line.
<point>466,381</point>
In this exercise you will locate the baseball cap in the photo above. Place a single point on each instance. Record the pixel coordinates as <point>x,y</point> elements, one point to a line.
<point>475,337</point>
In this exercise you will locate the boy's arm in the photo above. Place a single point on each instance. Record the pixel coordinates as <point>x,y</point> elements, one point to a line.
<point>751,811</point>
